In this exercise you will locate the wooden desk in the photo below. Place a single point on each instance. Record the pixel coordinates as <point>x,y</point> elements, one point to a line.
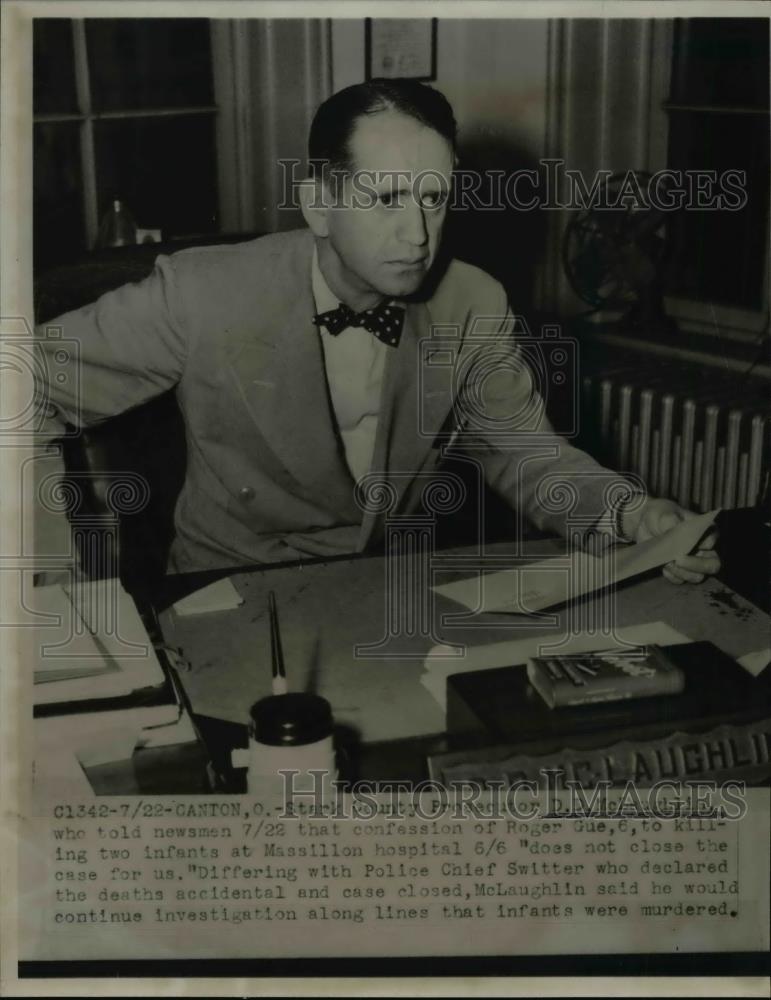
<point>328,609</point>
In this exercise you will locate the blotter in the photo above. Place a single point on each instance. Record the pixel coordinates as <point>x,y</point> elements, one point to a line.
<point>439,666</point>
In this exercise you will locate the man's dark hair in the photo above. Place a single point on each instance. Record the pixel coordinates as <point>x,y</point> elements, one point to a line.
<point>335,120</point>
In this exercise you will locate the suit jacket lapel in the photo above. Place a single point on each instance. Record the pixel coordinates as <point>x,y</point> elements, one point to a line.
<point>416,398</point>
<point>282,378</point>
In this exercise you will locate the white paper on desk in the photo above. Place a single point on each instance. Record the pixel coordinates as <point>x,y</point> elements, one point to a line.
<point>517,651</point>
<point>756,661</point>
<point>64,653</point>
<point>111,658</point>
<point>60,778</point>
<point>218,596</point>
<point>532,588</point>
<point>119,745</point>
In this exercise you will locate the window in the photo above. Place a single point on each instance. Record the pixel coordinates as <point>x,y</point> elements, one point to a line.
<point>719,120</point>
<point>122,109</point>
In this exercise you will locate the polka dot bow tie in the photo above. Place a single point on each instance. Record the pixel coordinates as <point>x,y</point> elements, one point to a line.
<point>385,321</point>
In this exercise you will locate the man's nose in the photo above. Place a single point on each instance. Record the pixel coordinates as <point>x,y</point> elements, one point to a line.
<point>412,228</point>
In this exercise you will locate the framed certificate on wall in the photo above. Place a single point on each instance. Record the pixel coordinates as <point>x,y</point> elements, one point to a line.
<point>400,47</point>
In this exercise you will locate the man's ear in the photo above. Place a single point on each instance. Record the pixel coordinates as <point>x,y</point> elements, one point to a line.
<point>313,202</point>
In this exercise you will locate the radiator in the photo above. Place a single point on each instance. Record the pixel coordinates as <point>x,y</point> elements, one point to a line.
<point>703,449</point>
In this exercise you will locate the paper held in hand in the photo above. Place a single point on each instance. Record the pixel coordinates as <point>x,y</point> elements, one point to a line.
<point>534,587</point>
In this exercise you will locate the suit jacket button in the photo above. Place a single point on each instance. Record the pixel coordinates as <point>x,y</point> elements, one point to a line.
<point>246,493</point>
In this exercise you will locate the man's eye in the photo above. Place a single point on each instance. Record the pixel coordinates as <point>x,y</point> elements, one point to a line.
<point>389,200</point>
<point>433,199</point>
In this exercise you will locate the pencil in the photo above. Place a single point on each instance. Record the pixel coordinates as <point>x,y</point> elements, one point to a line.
<point>572,673</point>
<point>553,666</point>
<point>276,653</point>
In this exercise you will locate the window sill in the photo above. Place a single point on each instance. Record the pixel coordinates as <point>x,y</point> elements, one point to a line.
<point>739,356</point>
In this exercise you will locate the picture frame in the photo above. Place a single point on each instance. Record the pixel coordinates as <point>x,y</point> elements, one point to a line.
<point>402,48</point>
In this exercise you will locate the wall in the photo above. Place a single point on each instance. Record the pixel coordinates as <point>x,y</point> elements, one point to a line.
<point>494,73</point>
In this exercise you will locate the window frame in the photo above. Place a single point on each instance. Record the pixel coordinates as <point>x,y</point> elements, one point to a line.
<point>86,117</point>
<point>697,315</point>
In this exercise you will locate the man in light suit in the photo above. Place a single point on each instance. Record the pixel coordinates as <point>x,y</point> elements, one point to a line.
<point>301,368</point>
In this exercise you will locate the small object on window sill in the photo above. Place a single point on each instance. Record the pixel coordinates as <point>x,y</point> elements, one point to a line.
<point>148,236</point>
<point>117,228</point>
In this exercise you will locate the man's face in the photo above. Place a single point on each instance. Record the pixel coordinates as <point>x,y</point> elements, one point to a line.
<point>384,238</point>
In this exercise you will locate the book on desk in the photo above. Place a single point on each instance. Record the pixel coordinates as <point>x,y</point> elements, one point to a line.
<point>100,691</point>
<point>719,725</point>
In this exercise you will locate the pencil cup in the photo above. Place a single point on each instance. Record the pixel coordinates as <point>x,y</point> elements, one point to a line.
<point>289,732</point>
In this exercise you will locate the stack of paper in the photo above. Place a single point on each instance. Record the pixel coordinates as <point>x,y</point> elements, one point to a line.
<point>100,692</point>
<point>89,643</point>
